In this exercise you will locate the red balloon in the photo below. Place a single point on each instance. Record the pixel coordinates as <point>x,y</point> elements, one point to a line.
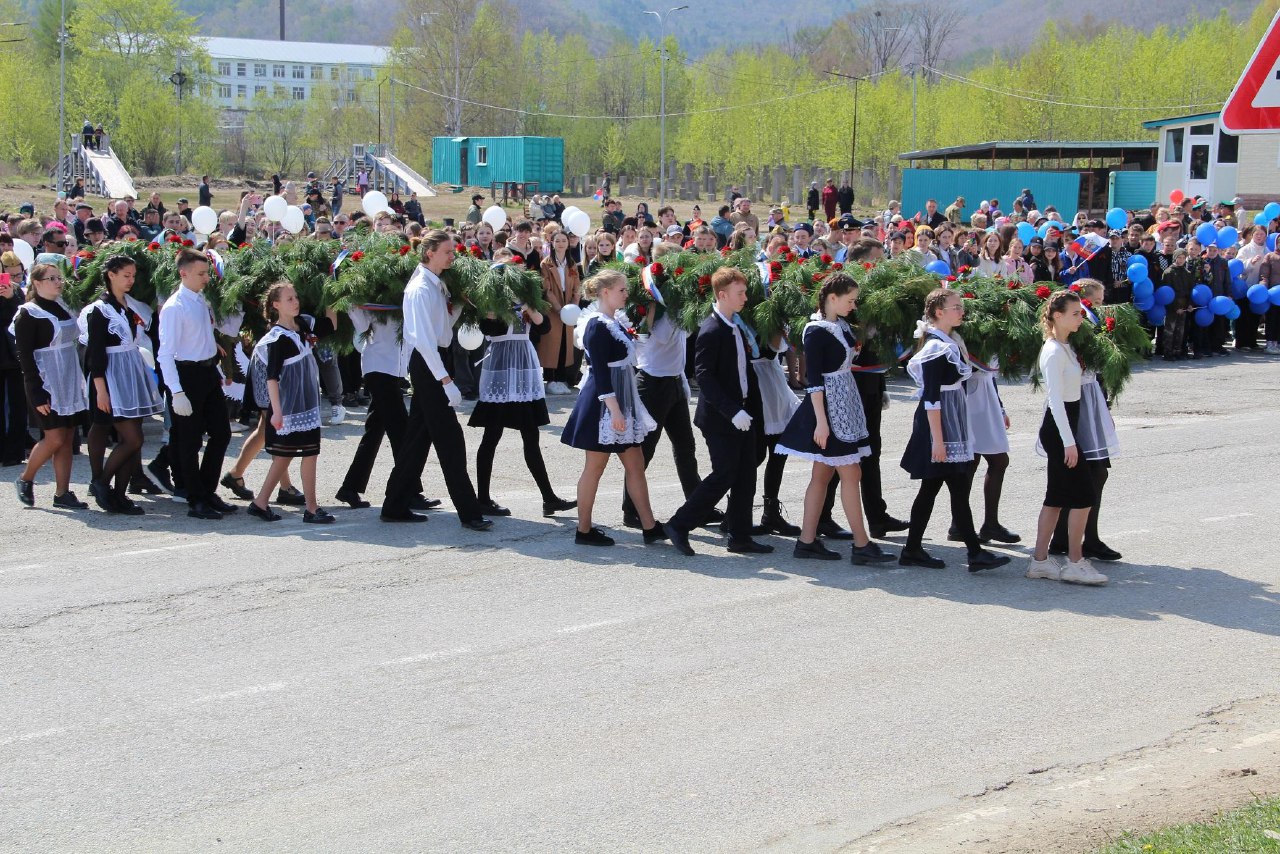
<point>1176,197</point>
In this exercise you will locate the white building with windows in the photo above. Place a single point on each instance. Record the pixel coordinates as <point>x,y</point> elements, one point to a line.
<point>1198,157</point>
<point>243,69</point>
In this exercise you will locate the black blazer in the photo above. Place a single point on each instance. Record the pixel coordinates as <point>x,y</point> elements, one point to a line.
<point>715,364</point>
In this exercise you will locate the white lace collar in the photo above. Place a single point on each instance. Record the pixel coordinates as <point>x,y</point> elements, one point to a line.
<point>937,344</point>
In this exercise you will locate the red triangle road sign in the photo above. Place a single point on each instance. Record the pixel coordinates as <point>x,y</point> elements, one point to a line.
<point>1254,104</point>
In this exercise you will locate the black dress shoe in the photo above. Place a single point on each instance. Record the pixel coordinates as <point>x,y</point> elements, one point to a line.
<point>493,508</point>
<point>954,536</point>
<point>267,515</point>
<point>715,517</point>
<point>557,505</point>
<point>478,524</point>
<point>920,557</point>
<point>102,495</point>
<point>828,529</point>
<point>200,510</point>
<point>320,517</point>
<point>405,516</point>
<point>215,501</point>
<point>140,484</point>
<point>593,537</point>
<point>679,539</point>
<point>26,491</point>
<point>352,499</point>
<point>290,497</point>
<point>983,559</point>
<point>654,534</point>
<point>125,507</point>
<point>888,525</point>
<point>750,547</point>
<point>69,501</point>
<point>999,534</point>
<point>419,502</point>
<point>237,487</point>
<point>868,555</point>
<point>161,473</point>
<point>815,550</point>
<point>12,461</point>
<point>1057,549</point>
<point>632,521</point>
<point>1101,551</point>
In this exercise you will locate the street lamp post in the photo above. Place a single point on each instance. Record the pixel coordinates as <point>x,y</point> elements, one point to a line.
<point>62,92</point>
<point>179,79</point>
<point>662,109</point>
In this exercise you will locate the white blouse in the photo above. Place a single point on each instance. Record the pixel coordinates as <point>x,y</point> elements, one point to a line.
<point>1061,372</point>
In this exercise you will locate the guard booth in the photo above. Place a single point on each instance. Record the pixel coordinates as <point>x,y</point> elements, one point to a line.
<point>1071,176</point>
<point>485,161</point>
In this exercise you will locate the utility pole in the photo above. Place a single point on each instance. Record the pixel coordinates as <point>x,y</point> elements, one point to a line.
<point>281,20</point>
<point>853,143</point>
<point>62,91</point>
<point>179,80</point>
<point>662,109</point>
<point>913,108</point>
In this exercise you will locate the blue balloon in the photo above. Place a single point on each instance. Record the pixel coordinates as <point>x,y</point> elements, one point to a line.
<point>1220,305</point>
<point>1260,307</point>
<point>1233,312</point>
<point>1203,317</point>
<point>1258,293</point>
<point>1026,231</point>
<point>1155,316</point>
<point>1201,294</point>
<point>1117,218</point>
<point>1275,295</point>
<point>1138,273</point>
<point>939,268</point>
<point>1164,295</point>
<point>1238,287</point>
<point>1236,266</point>
<point>1227,237</point>
<point>1207,234</point>
<point>1144,303</point>
<point>1271,211</point>
<point>1143,290</point>
<point>1271,242</point>
<point>1043,231</point>
<point>1260,218</point>
<point>1140,260</point>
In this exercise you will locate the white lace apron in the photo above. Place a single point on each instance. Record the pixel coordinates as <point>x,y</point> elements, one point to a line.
<point>1096,434</point>
<point>59,364</point>
<point>779,401</point>
<point>299,383</point>
<point>954,401</point>
<point>986,415</point>
<point>845,417</point>
<point>510,372</point>
<point>622,373</point>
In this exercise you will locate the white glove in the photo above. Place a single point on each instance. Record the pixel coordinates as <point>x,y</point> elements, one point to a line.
<point>455,396</point>
<point>742,420</point>
<point>181,405</point>
<point>884,403</point>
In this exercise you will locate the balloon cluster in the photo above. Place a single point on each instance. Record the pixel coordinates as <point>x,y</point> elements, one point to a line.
<point>1147,298</point>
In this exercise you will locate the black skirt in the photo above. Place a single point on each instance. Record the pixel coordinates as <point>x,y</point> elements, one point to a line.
<point>305,443</point>
<point>1069,488</point>
<point>96,415</point>
<point>516,415</point>
<point>54,421</point>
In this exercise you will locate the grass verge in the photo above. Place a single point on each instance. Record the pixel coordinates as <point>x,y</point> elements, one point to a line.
<point>1252,828</point>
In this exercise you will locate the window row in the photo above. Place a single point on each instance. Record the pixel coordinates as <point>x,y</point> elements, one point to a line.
<point>297,72</point>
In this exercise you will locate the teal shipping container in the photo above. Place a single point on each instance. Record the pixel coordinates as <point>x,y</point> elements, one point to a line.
<point>478,161</point>
<point>1060,189</point>
<point>1131,190</point>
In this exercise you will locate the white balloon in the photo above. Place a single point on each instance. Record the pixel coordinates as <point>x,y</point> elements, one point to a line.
<point>275,207</point>
<point>569,315</point>
<point>25,253</point>
<point>568,211</point>
<point>495,216</point>
<point>578,222</point>
<point>470,338</point>
<point>295,221</point>
<point>204,220</point>
<point>373,202</point>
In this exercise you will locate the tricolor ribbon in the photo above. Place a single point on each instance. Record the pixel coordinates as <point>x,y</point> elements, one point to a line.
<point>337,262</point>
<point>869,369</point>
<point>766,275</point>
<point>646,276</point>
<point>217,262</point>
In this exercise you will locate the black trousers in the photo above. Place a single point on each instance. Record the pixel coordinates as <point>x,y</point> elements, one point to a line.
<point>873,503</point>
<point>203,387</point>
<point>388,417</point>
<point>432,421</point>
<point>1246,326</point>
<point>665,400</point>
<point>733,471</point>
<point>13,408</point>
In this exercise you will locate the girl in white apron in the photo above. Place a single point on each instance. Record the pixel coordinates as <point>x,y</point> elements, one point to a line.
<point>512,397</point>
<point>988,426</point>
<point>940,450</point>
<point>830,428</point>
<point>286,383</point>
<point>46,335</point>
<point>779,403</point>
<point>122,388</point>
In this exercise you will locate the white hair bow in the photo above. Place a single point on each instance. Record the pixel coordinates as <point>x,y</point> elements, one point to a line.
<point>922,328</point>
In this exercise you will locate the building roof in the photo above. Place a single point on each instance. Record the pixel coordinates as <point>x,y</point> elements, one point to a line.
<point>1033,149</point>
<point>1177,120</point>
<point>303,53</point>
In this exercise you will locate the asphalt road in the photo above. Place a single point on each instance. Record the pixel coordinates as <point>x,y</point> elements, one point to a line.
<point>168,685</point>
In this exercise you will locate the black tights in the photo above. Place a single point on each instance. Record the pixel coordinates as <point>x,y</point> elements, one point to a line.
<point>1098,473</point>
<point>773,471</point>
<point>961,517</point>
<point>126,457</point>
<point>992,486</point>
<point>532,458</point>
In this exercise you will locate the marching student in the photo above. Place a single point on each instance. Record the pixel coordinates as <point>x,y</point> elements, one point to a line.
<point>188,359</point>
<point>122,388</point>
<point>433,419</point>
<point>830,428</point>
<point>778,404</point>
<point>988,425</point>
<point>940,450</point>
<point>729,414</point>
<point>608,416</point>
<point>286,384</point>
<point>512,397</point>
<point>1070,487</point>
<point>45,334</point>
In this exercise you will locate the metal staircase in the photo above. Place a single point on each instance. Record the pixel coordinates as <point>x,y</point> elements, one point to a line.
<point>386,172</point>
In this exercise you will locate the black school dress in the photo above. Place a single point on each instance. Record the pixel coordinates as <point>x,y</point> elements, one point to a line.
<point>511,392</point>
<point>829,349</point>
<point>112,335</point>
<point>939,369</point>
<point>285,356</point>
<point>612,355</point>
<point>46,334</point>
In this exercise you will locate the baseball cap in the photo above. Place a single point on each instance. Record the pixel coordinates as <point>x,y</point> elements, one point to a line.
<point>1036,241</point>
<point>27,207</point>
<point>1095,223</point>
<point>674,229</point>
<point>183,201</point>
<point>84,206</point>
<point>1114,233</point>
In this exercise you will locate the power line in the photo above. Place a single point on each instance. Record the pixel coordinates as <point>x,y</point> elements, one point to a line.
<point>1009,93</point>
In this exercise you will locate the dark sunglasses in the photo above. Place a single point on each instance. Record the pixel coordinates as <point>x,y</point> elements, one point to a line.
<point>61,244</point>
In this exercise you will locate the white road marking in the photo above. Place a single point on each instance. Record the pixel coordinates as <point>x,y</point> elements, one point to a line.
<point>425,656</point>
<point>153,551</point>
<point>243,692</point>
<point>24,566</point>
<point>567,630</point>
<point>32,736</point>
<point>1225,518</point>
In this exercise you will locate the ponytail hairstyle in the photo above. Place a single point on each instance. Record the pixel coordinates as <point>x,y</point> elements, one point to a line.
<point>837,284</point>
<point>114,265</point>
<point>272,297</point>
<point>1059,303</point>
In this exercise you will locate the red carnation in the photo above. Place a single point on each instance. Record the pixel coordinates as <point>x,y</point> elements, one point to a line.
<point>477,252</point>
<point>950,278</point>
<point>970,295</point>
<point>357,255</point>
<point>817,277</point>
<point>244,246</point>
<point>173,238</point>
<point>131,239</point>
<point>657,269</point>
<point>703,281</point>
<point>518,259</point>
<point>775,267</point>
<point>641,311</point>
<point>867,265</point>
<point>404,250</point>
<point>791,257</point>
<point>1111,324</point>
<point>640,260</point>
<point>1043,292</point>
<point>187,244</point>
<point>837,266</point>
<point>679,271</point>
<point>964,268</point>
<point>825,258</point>
<point>725,252</point>
<point>153,246</point>
<point>1014,285</point>
<point>1073,287</point>
<point>85,254</point>
<point>1086,303</point>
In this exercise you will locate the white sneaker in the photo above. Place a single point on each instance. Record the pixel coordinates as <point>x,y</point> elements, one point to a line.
<point>1272,348</point>
<point>337,415</point>
<point>557,388</point>
<point>1082,572</point>
<point>237,427</point>
<point>1047,568</point>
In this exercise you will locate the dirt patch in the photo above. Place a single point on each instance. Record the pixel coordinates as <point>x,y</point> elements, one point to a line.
<point>1221,763</point>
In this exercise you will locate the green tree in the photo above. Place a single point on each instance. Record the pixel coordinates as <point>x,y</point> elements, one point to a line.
<point>277,128</point>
